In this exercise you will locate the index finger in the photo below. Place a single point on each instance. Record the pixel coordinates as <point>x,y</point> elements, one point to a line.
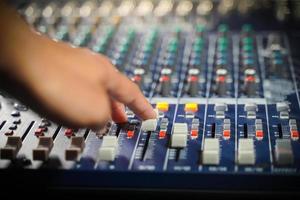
<point>125,91</point>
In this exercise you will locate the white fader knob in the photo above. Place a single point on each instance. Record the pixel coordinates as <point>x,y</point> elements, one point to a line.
<point>284,152</point>
<point>211,151</point>
<point>150,124</point>
<point>179,135</point>
<point>246,152</point>
<point>251,109</point>
<point>220,109</point>
<point>108,149</point>
<point>283,109</point>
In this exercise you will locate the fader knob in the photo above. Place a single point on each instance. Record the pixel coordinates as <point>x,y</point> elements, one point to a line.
<point>222,30</point>
<point>221,86</point>
<point>76,147</point>
<point>211,151</point>
<point>246,151</point>
<point>273,40</point>
<point>138,76</point>
<point>249,82</point>
<point>283,109</point>
<point>220,109</point>
<point>149,125</point>
<point>108,149</point>
<point>284,152</point>
<point>42,151</point>
<point>247,30</point>
<point>193,77</point>
<point>165,82</point>
<point>251,109</point>
<point>11,148</point>
<point>179,135</point>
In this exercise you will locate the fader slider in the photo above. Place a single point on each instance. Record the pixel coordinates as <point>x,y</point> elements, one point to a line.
<point>246,152</point>
<point>43,149</point>
<point>150,124</point>
<point>179,135</point>
<point>211,151</point>
<point>76,147</point>
<point>11,148</point>
<point>108,149</point>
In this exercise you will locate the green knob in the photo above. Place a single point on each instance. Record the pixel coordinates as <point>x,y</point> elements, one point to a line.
<point>200,28</point>
<point>247,40</point>
<point>223,41</point>
<point>149,42</point>
<point>222,48</point>
<point>199,42</point>
<point>147,48</point>
<point>123,48</point>
<point>197,49</point>
<point>109,30</point>
<point>130,35</point>
<point>99,48</point>
<point>153,34</point>
<point>247,28</point>
<point>172,48</point>
<point>102,42</point>
<point>223,28</point>
<point>248,48</point>
<point>173,42</point>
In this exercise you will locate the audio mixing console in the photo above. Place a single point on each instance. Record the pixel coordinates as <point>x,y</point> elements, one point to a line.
<point>227,97</point>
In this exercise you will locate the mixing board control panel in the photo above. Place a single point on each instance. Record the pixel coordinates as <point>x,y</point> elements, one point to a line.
<point>227,99</point>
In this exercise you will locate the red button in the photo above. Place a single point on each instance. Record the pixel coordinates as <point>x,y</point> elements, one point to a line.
<point>136,79</point>
<point>226,134</point>
<point>194,133</point>
<point>250,79</point>
<point>164,79</point>
<point>259,134</point>
<point>44,129</point>
<point>294,134</point>
<point>221,79</point>
<point>39,132</point>
<point>162,134</point>
<point>130,134</point>
<point>193,79</point>
<point>69,132</point>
